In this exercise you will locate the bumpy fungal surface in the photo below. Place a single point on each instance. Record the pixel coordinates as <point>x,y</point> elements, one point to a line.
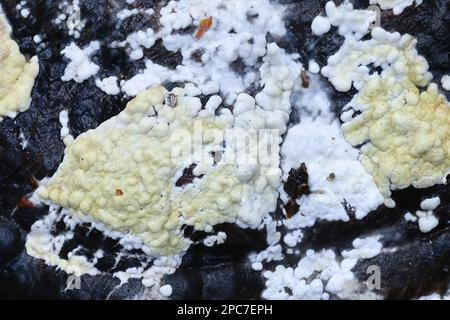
<point>125,173</point>
<point>409,143</point>
<point>396,55</point>
<point>348,20</point>
<point>18,75</point>
<point>404,132</point>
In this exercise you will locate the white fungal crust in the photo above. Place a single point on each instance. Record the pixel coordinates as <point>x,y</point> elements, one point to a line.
<point>404,132</point>
<point>396,5</point>
<point>445,81</point>
<point>335,174</point>
<point>319,274</point>
<point>42,245</point>
<point>17,75</point>
<point>80,67</point>
<point>238,32</point>
<point>345,18</point>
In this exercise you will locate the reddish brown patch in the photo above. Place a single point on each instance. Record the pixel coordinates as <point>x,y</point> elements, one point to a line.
<point>291,208</point>
<point>205,25</point>
<point>119,192</point>
<point>305,79</point>
<point>25,203</point>
<point>34,183</point>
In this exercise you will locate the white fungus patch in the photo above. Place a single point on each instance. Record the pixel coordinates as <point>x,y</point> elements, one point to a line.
<point>293,238</point>
<point>313,102</point>
<point>42,245</point>
<point>436,296</point>
<point>320,25</point>
<point>139,40</point>
<point>23,140</point>
<point>427,221</point>
<point>218,47</point>
<point>166,290</point>
<point>218,239</point>
<point>64,121</point>
<point>430,204</point>
<point>425,217</point>
<point>445,81</point>
<point>108,85</point>
<point>322,273</point>
<point>126,13</point>
<point>335,174</point>
<point>348,20</point>
<point>397,6</point>
<point>410,217</point>
<point>257,266</point>
<point>70,17</point>
<point>25,12</point>
<point>274,251</point>
<point>271,253</point>
<point>22,8</point>
<point>37,39</point>
<point>80,67</point>
<point>313,67</point>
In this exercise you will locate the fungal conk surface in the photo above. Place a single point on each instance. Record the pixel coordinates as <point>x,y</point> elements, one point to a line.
<point>17,74</point>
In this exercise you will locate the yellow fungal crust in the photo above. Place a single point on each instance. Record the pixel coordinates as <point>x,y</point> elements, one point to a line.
<point>405,133</point>
<point>123,174</point>
<point>409,138</point>
<point>17,75</point>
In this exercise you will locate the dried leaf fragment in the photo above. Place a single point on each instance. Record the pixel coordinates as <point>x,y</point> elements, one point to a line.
<point>205,25</point>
